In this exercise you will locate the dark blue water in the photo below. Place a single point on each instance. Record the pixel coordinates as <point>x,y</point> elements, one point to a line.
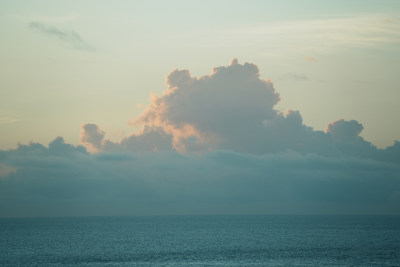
<point>202,241</point>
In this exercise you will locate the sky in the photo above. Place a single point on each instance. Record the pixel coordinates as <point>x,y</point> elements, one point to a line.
<point>199,107</point>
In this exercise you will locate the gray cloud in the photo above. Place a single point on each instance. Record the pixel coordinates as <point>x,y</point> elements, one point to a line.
<point>345,130</point>
<point>232,109</point>
<point>209,145</point>
<point>294,77</point>
<point>92,136</point>
<point>225,109</point>
<point>68,37</point>
<point>66,180</point>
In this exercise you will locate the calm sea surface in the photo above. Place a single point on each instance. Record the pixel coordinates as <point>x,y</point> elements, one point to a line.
<point>202,241</point>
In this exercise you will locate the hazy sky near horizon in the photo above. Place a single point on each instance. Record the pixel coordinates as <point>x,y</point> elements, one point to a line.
<point>199,107</point>
<point>64,63</point>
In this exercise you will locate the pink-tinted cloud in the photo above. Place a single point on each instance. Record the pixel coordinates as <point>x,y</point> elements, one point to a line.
<point>216,109</point>
<point>92,137</point>
<point>230,109</point>
<point>309,59</point>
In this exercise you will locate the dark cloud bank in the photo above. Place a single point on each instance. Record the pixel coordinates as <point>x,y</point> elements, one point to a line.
<point>209,145</point>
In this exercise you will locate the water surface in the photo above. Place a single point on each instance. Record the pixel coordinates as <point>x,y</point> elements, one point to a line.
<point>202,241</point>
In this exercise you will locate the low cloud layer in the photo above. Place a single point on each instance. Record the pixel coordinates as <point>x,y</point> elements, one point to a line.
<point>208,145</point>
<point>63,180</point>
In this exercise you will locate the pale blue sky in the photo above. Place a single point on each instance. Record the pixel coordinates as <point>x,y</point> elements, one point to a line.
<point>327,59</point>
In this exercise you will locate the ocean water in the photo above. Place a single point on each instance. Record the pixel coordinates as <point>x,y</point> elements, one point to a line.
<point>201,241</point>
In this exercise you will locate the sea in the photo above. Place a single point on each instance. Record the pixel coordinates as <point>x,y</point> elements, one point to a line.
<point>270,240</point>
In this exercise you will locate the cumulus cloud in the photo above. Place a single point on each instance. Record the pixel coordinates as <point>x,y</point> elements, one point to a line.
<point>223,109</point>
<point>149,139</point>
<point>344,130</point>
<point>69,37</point>
<point>232,109</point>
<point>208,145</point>
<point>92,137</point>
